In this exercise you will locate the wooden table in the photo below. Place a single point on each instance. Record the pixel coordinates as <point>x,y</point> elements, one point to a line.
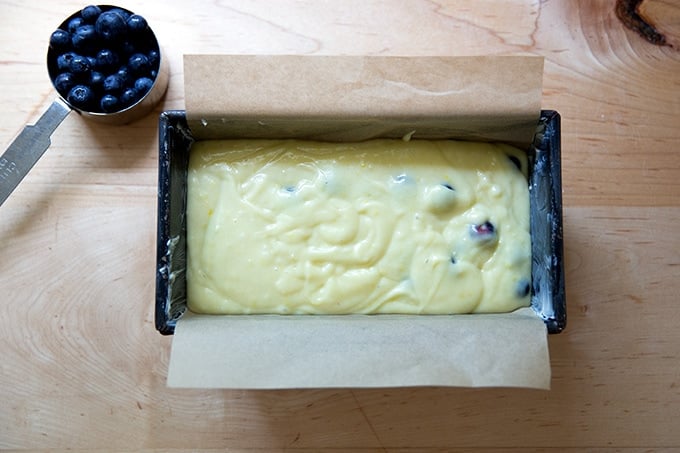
<point>83,368</point>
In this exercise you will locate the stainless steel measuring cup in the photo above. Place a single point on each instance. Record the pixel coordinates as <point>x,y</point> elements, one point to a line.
<point>33,140</point>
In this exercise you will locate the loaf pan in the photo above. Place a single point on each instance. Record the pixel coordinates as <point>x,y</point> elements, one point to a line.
<point>545,193</point>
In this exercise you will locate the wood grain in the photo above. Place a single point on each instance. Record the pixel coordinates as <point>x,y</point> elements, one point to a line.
<point>643,16</point>
<point>83,368</point>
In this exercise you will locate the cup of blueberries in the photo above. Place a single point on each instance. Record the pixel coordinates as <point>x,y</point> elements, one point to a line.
<point>105,62</point>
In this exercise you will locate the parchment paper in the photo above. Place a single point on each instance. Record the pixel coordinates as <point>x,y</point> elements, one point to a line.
<point>269,352</point>
<point>355,98</point>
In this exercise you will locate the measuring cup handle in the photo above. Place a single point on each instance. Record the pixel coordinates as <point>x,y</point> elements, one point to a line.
<point>28,147</point>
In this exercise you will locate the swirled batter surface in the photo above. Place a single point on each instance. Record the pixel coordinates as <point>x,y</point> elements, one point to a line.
<point>383,226</point>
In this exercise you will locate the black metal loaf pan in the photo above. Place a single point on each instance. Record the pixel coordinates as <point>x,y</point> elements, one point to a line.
<point>545,189</point>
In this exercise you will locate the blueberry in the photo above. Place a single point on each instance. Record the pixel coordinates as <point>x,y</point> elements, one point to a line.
<point>401,179</point>
<point>129,97</point>
<point>483,231</point>
<point>523,288</point>
<point>64,82</point>
<point>154,58</point>
<point>92,61</point>
<point>124,74</point>
<point>90,13</point>
<point>136,23</point>
<point>79,65</point>
<point>80,96</point>
<point>107,59</point>
<point>60,40</point>
<point>96,80</point>
<point>143,85</point>
<point>110,25</point>
<point>515,160</point>
<point>113,84</point>
<point>124,14</point>
<point>441,199</point>
<point>64,61</point>
<point>84,38</point>
<point>139,64</point>
<point>75,23</point>
<point>109,103</point>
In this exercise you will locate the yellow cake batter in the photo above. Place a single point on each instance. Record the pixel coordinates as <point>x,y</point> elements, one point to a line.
<point>383,226</point>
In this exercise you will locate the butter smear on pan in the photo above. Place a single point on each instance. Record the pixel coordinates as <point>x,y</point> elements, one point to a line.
<point>382,226</point>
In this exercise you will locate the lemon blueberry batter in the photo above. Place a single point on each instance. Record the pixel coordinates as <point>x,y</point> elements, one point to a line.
<point>383,226</point>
